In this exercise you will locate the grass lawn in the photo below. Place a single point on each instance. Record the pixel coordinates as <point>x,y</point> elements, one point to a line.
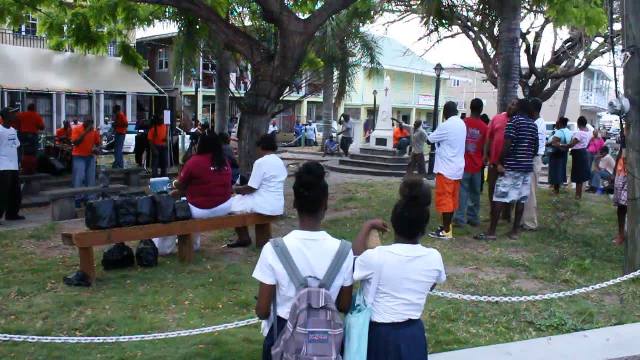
<point>572,249</point>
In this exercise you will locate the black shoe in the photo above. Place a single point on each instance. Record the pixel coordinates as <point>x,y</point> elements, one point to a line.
<point>79,278</point>
<point>14,218</point>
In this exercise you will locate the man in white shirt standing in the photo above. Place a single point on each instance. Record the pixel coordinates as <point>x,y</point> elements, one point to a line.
<point>10,193</point>
<point>530,216</point>
<point>450,139</point>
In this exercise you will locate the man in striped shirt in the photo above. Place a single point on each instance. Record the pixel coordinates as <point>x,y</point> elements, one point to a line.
<point>515,168</point>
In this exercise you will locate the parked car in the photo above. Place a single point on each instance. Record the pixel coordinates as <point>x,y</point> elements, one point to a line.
<point>108,139</point>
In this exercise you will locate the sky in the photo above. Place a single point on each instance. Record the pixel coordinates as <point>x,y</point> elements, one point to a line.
<point>451,52</point>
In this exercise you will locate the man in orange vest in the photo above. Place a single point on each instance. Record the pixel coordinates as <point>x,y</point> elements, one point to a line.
<point>120,123</point>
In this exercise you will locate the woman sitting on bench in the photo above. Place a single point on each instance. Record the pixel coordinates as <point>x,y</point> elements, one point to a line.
<point>264,194</point>
<point>205,180</point>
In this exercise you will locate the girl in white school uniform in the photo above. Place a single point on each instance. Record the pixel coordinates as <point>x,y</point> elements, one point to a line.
<point>312,250</point>
<point>402,275</point>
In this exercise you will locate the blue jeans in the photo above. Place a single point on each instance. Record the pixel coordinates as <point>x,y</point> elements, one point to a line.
<point>83,172</point>
<point>469,201</point>
<point>597,176</point>
<point>117,151</point>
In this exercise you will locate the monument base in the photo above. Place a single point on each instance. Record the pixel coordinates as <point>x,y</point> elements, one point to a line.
<point>382,138</point>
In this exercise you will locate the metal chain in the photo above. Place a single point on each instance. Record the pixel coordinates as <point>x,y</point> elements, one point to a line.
<point>515,299</point>
<point>237,324</point>
<point>112,339</point>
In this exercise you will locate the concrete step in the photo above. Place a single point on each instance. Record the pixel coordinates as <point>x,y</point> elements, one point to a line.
<point>335,166</point>
<point>381,158</point>
<point>372,165</point>
<point>377,151</point>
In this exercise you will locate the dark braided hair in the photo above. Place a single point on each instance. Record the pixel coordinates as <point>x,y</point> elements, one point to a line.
<point>310,189</point>
<point>410,215</point>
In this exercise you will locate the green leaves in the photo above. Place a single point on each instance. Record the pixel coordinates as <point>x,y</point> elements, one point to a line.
<point>589,15</point>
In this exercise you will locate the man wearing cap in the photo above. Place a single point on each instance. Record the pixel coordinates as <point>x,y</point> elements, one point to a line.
<point>10,192</point>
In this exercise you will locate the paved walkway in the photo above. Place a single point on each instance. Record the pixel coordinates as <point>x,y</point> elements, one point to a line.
<point>615,342</point>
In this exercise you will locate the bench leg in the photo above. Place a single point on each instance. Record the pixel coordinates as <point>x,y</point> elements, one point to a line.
<point>63,209</point>
<point>86,262</point>
<point>263,234</point>
<point>185,248</point>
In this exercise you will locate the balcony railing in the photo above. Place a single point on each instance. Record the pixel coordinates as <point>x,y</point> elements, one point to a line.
<point>8,37</point>
<point>591,98</point>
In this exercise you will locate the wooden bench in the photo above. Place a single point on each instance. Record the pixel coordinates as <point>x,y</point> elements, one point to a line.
<point>63,201</point>
<point>32,184</point>
<point>85,240</point>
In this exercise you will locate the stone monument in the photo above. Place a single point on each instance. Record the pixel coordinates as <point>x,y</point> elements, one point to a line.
<point>382,136</point>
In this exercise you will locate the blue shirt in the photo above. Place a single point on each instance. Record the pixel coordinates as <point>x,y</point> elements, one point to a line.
<point>523,133</point>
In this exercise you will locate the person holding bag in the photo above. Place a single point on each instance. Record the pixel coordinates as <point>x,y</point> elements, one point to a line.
<point>559,154</point>
<point>396,278</point>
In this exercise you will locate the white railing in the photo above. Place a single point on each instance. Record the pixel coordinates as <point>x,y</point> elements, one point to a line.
<point>592,98</point>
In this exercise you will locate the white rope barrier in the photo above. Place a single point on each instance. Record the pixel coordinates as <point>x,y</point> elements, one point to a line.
<point>237,324</point>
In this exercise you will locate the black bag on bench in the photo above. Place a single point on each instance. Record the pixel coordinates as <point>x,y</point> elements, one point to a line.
<point>146,210</point>
<point>183,211</point>
<point>100,214</point>
<point>126,211</point>
<point>165,208</point>
<point>119,256</point>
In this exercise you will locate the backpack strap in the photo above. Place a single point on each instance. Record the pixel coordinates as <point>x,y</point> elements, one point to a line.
<point>289,265</point>
<point>336,265</point>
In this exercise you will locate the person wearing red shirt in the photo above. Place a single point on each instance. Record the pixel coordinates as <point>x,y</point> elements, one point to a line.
<point>29,123</point>
<point>493,150</point>
<point>205,180</point>
<point>401,139</point>
<point>468,211</point>
<point>120,124</point>
<point>157,137</point>
<point>85,140</point>
<point>63,134</point>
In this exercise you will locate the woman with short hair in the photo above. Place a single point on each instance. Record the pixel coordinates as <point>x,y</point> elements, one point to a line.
<point>559,154</point>
<point>580,166</point>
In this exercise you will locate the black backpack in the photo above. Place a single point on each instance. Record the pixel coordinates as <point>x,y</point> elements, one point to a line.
<point>147,254</point>
<point>119,256</point>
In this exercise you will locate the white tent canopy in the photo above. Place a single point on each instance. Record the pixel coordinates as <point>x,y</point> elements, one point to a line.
<point>23,68</point>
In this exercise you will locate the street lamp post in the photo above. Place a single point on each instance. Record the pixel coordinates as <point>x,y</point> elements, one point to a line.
<point>432,153</point>
<point>375,113</point>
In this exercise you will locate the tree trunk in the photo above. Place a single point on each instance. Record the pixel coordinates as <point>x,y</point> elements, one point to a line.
<point>222,91</point>
<point>327,101</point>
<point>632,92</point>
<point>508,52</point>
<point>252,126</point>
<point>565,97</point>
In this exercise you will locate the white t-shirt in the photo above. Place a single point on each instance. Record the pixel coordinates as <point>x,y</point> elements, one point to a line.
<point>406,274</point>
<point>272,129</point>
<point>9,144</point>
<point>583,138</point>
<point>347,129</point>
<point>312,251</point>
<point>267,177</point>
<point>450,139</point>
<point>542,135</point>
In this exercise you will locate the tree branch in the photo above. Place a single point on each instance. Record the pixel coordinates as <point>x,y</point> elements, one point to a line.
<point>231,36</point>
<point>326,11</point>
<point>278,13</point>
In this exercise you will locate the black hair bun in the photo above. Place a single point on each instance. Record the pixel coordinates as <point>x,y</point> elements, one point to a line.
<point>311,172</point>
<point>414,190</point>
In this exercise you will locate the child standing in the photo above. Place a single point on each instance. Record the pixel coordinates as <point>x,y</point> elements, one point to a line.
<point>398,277</point>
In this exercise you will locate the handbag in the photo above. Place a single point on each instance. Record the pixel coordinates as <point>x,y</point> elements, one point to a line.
<point>126,208</point>
<point>119,256</point>
<point>165,208</point>
<point>145,210</point>
<point>183,211</point>
<point>100,214</point>
<point>356,323</point>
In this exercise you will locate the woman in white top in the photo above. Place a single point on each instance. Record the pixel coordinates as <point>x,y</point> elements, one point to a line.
<point>398,277</point>
<point>580,166</point>
<point>264,194</point>
<point>311,249</point>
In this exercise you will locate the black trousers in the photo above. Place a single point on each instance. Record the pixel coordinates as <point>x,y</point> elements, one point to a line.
<point>10,193</point>
<point>159,161</point>
<point>142,145</point>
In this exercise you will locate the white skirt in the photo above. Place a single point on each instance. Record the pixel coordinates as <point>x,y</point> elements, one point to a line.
<point>168,244</point>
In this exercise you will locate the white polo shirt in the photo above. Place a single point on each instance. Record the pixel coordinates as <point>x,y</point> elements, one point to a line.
<point>406,274</point>
<point>268,177</point>
<point>9,144</point>
<point>312,251</point>
<point>450,139</point>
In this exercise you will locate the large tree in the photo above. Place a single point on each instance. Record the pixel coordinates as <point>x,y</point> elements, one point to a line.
<point>494,29</point>
<point>275,46</point>
<point>344,47</point>
<point>632,92</point>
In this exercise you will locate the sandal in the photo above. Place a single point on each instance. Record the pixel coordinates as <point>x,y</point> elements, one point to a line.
<point>485,237</point>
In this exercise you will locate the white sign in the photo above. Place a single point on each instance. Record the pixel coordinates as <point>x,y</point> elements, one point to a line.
<point>425,99</point>
<point>167,117</point>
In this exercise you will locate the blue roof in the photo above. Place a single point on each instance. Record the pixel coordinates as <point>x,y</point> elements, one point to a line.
<point>395,56</point>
